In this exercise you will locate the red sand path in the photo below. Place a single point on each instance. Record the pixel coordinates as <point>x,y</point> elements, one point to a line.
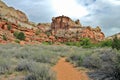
<point>66,71</point>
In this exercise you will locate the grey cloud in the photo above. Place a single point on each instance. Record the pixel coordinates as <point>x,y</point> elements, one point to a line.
<point>85,2</point>
<point>105,15</point>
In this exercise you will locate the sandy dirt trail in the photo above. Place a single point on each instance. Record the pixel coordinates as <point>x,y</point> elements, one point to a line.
<point>66,71</point>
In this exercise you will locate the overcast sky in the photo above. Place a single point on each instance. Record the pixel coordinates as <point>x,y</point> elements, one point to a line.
<point>103,13</point>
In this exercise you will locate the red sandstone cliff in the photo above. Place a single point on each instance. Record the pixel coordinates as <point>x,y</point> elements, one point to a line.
<point>62,28</point>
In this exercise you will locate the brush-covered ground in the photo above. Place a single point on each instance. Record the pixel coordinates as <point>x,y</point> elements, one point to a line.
<point>35,62</point>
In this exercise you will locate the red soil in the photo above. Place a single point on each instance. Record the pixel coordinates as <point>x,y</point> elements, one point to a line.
<point>66,71</point>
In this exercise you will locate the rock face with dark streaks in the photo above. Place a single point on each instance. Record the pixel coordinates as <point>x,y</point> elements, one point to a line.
<point>65,29</point>
<point>64,22</point>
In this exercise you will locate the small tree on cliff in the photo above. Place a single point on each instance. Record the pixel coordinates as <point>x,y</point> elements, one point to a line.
<point>19,35</point>
<point>116,43</point>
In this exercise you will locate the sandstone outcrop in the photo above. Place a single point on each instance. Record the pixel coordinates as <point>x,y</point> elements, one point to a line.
<point>14,16</point>
<point>44,27</point>
<point>11,12</point>
<point>66,29</point>
<point>64,22</point>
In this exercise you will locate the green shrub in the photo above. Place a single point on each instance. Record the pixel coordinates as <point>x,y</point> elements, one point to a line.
<point>104,63</point>
<point>17,41</point>
<point>47,43</point>
<point>116,43</point>
<point>9,27</point>
<point>37,71</point>
<point>19,35</point>
<point>85,42</point>
<point>37,32</point>
<point>5,65</point>
<point>5,19</point>
<point>24,65</point>
<point>41,72</point>
<point>4,37</point>
<point>48,33</point>
<point>76,59</point>
<point>106,43</point>
<point>16,33</point>
<point>73,44</point>
<point>44,58</point>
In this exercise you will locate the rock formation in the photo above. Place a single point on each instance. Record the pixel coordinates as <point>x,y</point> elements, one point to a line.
<point>6,11</point>
<point>62,28</point>
<point>44,27</point>
<point>63,22</point>
<point>15,16</point>
<point>68,30</point>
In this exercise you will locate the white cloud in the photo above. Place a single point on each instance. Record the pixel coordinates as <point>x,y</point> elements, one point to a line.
<point>104,13</point>
<point>69,8</point>
<point>116,2</point>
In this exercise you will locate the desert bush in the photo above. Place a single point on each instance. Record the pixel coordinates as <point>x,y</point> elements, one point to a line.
<point>48,33</point>
<point>44,57</point>
<point>36,71</point>
<point>5,19</point>
<point>48,43</point>
<point>76,59</point>
<point>9,27</point>
<point>16,33</point>
<point>73,44</point>
<point>4,37</point>
<point>26,58</point>
<point>24,65</point>
<point>78,55</point>
<point>21,54</point>
<point>116,43</point>
<point>105,63</point>
<point>19,35</point>
<point>85,42</point>
<point>17,40</point>
<point>106,43</point>
<point>5,65</point>
<point>37,32</point>
<point>41,72</point>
